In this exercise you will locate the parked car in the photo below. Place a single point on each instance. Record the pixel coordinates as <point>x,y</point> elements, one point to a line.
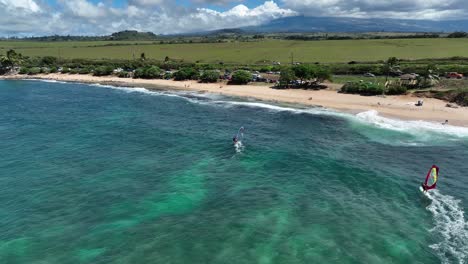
<point>454,75</point>
<point>368,74</point>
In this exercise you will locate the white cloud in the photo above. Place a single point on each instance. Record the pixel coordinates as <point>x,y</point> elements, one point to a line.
<point>86,17</point>
<point>21,5</point>
<point>84,9</point>
<point>416,9</point>
<point>216,2</point>
<point>147,2</point>
<point>160,16</point>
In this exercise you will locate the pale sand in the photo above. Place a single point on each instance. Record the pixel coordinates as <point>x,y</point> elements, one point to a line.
<point>401,107</point>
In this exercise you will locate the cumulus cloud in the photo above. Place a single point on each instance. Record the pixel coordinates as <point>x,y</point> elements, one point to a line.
<point>87,17</point>
<point>216,2</point>
<point>29,6</point>
<point>147,2</point>
<point>416,9</point>
<point>83,17</point>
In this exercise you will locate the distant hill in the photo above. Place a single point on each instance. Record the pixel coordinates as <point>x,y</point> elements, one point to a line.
<point>121,35</point>
<point>302,24</point>
<point>132,35</point>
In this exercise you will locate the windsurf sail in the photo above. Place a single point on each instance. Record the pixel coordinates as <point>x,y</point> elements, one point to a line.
<point>240,134</point>
<point>431,178</point>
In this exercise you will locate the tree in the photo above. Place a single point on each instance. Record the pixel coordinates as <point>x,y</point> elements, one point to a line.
<point>311,72</point>
<point>13,57</point>
<point>152,72</point>
<point>209,76</point>
<point>186,73</point>
<point>48,61</point>
<point>4,64</point>
<point>148,72</point>
<point>458,35</point>
<point>286,77</point>
<point>390,66</point>
<point>241,77</point>
<point>304,71</point>
<point>429,76</point>
<point>322,74</point>
<point>103,70</point>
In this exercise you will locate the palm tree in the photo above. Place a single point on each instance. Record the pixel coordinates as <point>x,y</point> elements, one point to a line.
<point>390,66</point>
<point>430,73</point>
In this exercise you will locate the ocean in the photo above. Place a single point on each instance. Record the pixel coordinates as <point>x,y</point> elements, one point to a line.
<point>102,174</point>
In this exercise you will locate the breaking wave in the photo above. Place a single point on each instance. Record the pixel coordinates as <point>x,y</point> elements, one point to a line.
<point>423,129</point>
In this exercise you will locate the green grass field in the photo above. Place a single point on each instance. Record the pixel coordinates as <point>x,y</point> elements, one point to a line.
<point>250,52</point>
<point>342,79</point>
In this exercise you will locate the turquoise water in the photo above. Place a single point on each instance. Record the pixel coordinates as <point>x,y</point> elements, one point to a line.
<point>93,174</point>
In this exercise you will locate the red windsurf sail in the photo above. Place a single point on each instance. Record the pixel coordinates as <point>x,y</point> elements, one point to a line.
<point>431,178</point>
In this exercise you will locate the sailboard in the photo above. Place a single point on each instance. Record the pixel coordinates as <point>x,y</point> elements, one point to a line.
<point>431,179</point>
<point>238,140</point>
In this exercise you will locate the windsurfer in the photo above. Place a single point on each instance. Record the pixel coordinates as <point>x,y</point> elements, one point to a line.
<point>431,179</point>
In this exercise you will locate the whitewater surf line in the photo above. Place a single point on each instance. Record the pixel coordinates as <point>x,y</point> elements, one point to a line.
<point>371,117</point>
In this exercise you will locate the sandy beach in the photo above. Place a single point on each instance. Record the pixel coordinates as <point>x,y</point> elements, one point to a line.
<point>401,107</point>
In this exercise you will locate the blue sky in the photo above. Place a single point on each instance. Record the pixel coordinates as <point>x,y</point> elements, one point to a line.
<point>98,17</point>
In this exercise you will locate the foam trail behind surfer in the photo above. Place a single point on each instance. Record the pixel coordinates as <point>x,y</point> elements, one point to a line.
<point>237,139</point>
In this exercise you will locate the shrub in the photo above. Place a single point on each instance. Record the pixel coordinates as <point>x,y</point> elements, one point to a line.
<point>265,69</point>
<point>363,88</point>
<point>286,77</point>
<point>24,70</point>
<point>103,70</point>
<point>461,97</point>
<point>241,77</point>
<point>209,76</point>
<point>148,72</point>
<point>458,35</point>
<point>85,70</point>
<point>123,74</point>
<point>396,90</point>
<point>152,72</point>
<point>168,76</point>
<point>53,69</point>
<point>138,73</point>
<point>187,73</point>
<point>34,70</point>
<point>48,61</point>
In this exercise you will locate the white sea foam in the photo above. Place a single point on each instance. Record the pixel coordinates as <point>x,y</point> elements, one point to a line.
<point>450,227</point>
<point>138,90</point>
<point>47,81</point>
<point>278,108</point>
<point>413,127</point>
<point>371,118</point>
<point>239,146</point>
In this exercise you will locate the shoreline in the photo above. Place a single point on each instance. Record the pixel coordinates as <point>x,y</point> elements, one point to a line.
<point>400,107</point>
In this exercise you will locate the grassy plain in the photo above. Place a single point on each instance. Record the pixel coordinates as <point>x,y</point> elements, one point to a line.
<point>342,79</point>
<point>259,52</point>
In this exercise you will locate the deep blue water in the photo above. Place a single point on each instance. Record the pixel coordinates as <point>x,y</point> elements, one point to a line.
<point>93,174</point>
